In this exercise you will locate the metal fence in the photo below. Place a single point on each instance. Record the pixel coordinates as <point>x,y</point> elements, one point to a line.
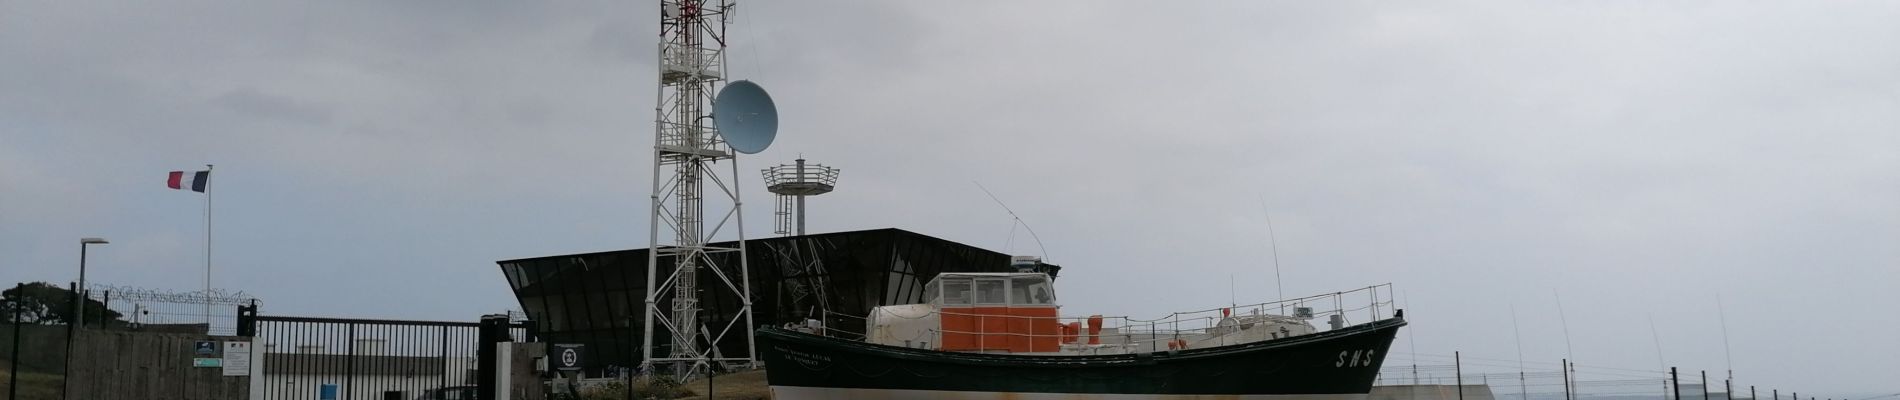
<point>1550,381</point>
<point>302,358</point>
<point>307,358</point>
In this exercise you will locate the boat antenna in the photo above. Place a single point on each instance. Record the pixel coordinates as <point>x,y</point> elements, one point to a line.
<point>1411,341</point>
<point>1726,361</point>
<point>1019,220</point>
<point>1279,288</point>
<point>1233,300</point>
<point>1517,337</point>
<point>1662,365</point>
<point>1566,325</point>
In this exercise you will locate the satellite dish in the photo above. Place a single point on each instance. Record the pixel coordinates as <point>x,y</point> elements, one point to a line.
<point>746,117</point>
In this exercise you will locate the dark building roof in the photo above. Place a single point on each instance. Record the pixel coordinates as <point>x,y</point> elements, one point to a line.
<point>596,298</point>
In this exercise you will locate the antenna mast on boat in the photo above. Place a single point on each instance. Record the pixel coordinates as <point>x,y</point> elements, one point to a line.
<point>1568,354</point>
<point>1720,312</point>
<point>1018,220</point>
<point>1517,337</point>
<point>1273,241</point>
<point>1660,364</point>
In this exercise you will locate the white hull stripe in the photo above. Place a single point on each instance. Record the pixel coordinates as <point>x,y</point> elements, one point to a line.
<point>803,393</point>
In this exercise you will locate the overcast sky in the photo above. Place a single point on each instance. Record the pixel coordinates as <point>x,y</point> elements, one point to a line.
<point>1638,158</point>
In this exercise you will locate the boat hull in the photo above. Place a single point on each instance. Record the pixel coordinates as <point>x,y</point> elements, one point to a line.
<point>1334,365</point>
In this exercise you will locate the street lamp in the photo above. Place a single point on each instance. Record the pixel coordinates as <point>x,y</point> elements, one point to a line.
<point>80,315</point>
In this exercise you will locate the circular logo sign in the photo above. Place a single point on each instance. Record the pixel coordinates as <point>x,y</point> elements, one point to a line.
<point>570,358</point>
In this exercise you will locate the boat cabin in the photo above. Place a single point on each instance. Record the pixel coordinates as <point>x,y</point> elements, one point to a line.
<point>991,289</point>
<point>1017,313</point>
<point>1010,312</point>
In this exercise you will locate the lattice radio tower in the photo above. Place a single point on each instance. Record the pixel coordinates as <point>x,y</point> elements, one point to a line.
<point>687,145</point>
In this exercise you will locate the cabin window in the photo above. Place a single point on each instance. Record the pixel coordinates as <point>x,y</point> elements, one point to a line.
<point>1030,290</point>
<point>930,292</point>
<point>956,292</point>
<point>990,291</point>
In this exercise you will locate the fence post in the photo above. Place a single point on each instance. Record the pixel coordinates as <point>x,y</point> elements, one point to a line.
<point>13,377</point>
<point>65,382</point>
<point>494,329</point>
<point>349,366</point>
<point>1523,390</point>
<point>1677,381</point>
<point>1458,368</point>
<point>247,319</point>
<point>1572,380</point>
<point>445,358</point>
<point>1565,367</point>
<point>105,307</point>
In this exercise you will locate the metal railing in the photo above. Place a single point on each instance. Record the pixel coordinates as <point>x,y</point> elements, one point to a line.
<point>677,59</point>
<point>1376,304</point>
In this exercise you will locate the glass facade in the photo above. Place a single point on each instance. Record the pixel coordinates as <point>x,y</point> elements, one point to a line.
<point>596,298</point>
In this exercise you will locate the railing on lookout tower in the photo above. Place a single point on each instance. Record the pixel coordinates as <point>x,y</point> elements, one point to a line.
<point>792,182</point>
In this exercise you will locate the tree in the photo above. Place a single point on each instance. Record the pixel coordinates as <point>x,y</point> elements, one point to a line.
<point>46,303</point>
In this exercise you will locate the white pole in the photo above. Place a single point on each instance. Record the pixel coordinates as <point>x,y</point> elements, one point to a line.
<point>207,248</point>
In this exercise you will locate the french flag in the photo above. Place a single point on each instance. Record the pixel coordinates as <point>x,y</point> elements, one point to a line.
<point>196,181</point>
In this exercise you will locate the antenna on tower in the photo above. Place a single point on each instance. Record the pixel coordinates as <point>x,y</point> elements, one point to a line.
<point>792,183</point>
<point>692,66</point>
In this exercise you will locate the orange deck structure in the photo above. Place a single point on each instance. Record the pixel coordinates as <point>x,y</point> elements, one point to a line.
<point>1014,329</point>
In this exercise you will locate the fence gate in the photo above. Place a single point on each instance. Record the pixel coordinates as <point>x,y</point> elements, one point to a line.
<point>367,359</point>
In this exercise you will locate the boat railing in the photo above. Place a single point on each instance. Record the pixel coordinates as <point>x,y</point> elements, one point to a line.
<point>1374,303</point>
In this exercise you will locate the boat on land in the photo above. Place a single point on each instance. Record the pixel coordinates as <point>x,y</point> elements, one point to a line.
<point>999,336</point>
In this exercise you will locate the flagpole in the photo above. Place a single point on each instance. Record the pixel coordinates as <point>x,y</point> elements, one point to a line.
<point>207,249</point>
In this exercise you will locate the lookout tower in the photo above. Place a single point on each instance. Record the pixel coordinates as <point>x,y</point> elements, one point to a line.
<point>792,183</point>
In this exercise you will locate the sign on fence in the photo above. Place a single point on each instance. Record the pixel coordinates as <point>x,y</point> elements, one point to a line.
<point>237,358</point>
<point>567,357</point>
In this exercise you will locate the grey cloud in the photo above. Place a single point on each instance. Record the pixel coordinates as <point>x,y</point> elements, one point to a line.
<point>251,102</point>
<point>1640,158</point>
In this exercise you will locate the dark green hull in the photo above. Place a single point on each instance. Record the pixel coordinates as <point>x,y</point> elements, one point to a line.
<point>1344,361</point>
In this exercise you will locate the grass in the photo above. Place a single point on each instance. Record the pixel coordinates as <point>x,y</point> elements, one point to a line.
<point>749,385</point>
<point>33,385</point>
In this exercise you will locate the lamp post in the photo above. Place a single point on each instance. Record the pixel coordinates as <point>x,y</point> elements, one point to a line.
<point>79,312</point>
<point>79,316</point>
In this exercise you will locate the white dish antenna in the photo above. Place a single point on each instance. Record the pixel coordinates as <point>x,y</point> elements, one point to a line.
<point>746,117</point>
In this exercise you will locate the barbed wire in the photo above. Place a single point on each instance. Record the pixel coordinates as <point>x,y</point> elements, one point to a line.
<point>137,294</point>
